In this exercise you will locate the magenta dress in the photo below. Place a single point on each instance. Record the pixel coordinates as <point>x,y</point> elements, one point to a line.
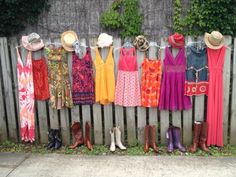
<point>172,86</point>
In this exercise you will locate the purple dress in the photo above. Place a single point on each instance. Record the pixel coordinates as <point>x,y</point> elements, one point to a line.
<point>172,86</point>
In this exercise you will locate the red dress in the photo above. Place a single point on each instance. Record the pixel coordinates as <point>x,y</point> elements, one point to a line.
<point>40,75</point>
<point>215,96</point>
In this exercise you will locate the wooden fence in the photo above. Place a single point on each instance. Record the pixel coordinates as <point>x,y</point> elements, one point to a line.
<point>131,120</point>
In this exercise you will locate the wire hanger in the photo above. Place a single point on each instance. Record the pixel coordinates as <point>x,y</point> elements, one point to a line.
<point>128,44</point>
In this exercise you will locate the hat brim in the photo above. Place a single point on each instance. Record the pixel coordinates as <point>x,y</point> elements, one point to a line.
<point>67,48</point>
<point>173,44</point>
<point>31,46</point>
<point>208,44</point>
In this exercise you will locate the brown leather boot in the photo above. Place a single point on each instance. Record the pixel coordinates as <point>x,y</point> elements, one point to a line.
<point>87,136</point>
<point>152,131</point>
<point>196,136</point>
<point>77,135</point>
<point>146,138</point>
<point>203,137</point>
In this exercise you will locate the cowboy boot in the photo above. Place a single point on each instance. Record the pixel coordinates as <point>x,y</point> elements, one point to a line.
<point>58,141</point>
<point>77,135</point>
<point>196,135</point>
<point>118,138</point>
<point>112,146</point>
<point>152,141</point>
<point>203,137</point>
<point>146,139</point>
<point>51,139</point>
<point>169,136</point>
<point>87,136</point>
<point>176,137</point>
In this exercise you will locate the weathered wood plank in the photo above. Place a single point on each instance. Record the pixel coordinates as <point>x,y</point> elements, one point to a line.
<point>97,110</point>
<point>86,115</point>
<point>141,111</point>
<point>65,126</point>
<point>233,101</point>
<point>8,92</point>
<point>164,115</point>
<point>226,80</point>
<point>130,118</point>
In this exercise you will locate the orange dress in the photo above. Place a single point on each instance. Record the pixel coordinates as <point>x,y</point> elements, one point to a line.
<point>215,96</point>
<point>151,81</point>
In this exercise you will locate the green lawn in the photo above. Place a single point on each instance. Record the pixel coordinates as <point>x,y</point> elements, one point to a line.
<point>8,146</point>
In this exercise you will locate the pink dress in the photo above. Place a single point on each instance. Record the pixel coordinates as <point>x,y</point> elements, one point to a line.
<point>26,97</point>
<point>215,96</point>
<point>127,85</point>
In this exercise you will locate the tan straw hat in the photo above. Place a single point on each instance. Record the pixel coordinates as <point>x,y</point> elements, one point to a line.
<point>215,40</point>
<point>141,43</point>
<point>67,40</point>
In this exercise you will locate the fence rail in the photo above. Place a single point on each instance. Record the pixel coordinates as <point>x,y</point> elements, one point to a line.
<point>131,120</point>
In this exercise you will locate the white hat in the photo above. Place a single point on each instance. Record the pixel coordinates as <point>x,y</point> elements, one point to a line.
<point>215,40</point>
<point>104,40</point>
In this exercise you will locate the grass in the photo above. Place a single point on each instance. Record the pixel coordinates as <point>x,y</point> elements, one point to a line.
<point>8,146</point>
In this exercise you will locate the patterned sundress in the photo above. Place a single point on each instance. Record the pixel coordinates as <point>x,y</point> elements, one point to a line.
<point>26,97</point>
<point>83,80</point>
<point>127,85</point>
<point>59,84</point>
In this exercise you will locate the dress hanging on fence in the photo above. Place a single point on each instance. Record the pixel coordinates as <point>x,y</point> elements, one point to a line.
<point>215,96</point>
<point>172,86</point>
<point>104,78</point>
<point>59,85</point>
<point>197,71</point>
<point>127,86</point>
<point>83,80</point>
<point>26,97</point>
<point>151,82</point>
<point>40,74</point>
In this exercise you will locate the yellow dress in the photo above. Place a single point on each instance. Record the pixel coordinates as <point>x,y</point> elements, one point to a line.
<point>104,78</point>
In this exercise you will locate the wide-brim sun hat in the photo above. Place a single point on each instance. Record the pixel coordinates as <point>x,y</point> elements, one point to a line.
<point>214,40</point>
<point>67,40</point>
<point>104,40</point>
<point>141,43</point>
<point>176,40</point>
<point>32,42</point>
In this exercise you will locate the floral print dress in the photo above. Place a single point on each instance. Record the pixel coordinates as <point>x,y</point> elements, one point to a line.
<point>59,85</point>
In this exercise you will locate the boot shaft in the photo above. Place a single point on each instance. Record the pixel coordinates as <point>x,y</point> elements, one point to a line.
<point>177,139</point>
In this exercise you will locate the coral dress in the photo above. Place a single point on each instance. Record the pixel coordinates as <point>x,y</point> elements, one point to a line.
<point>83,81</point>
<point>172,86</point>
<point>104,78</point>
<point>151,82</point>
<point>41,85</point>
<point>127,85</point>
<point>26,97</point>
<point>215,96</point>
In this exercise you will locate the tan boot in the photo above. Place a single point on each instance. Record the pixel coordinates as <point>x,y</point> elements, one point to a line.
<point>152,132</point>
<point>87,136</point>
<point>77,135</point>
<point>196,136</point>
<point>203,137</point>
<point>146,139</point>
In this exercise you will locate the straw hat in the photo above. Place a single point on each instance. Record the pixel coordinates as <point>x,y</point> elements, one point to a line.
<point>176,40</point>
<point>141,43</point>
<point>215,40</point>
<point>32,42</point>
<point>104,40</point>
<point>67,40</point>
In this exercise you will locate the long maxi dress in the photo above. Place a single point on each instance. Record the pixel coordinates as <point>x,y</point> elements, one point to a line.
<point>215,96</point>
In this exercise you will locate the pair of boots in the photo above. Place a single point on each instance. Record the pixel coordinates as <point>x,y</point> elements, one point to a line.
<point>150,138</point>
<point>78,135</point>
<point>199,137</point>
<point>54,139</point>
<point>116,139</point>
<point>173,136</point>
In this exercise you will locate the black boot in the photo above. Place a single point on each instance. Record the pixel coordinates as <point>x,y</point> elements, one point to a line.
<point>58,141</point>
<point>51,139</point>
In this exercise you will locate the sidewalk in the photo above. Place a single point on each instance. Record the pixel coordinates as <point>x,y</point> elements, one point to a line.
<point>56,165</point>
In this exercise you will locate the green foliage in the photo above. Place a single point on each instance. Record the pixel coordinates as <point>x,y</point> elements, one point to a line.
<point>123,15</point>
<point>206,16</point>
<point>16,14</point>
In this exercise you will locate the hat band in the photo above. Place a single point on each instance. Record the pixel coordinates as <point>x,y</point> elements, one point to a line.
<point>214,42</point>
<point>173,40</point>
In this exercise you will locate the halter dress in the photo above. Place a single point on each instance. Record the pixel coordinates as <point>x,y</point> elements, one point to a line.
<point>83,80</point>
<point>172,86</point>
<point>26,97</point>
<point>215,96</point>
<point>127,86</point>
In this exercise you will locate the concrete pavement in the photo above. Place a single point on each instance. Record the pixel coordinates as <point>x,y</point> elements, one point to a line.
<point>57,165</point>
